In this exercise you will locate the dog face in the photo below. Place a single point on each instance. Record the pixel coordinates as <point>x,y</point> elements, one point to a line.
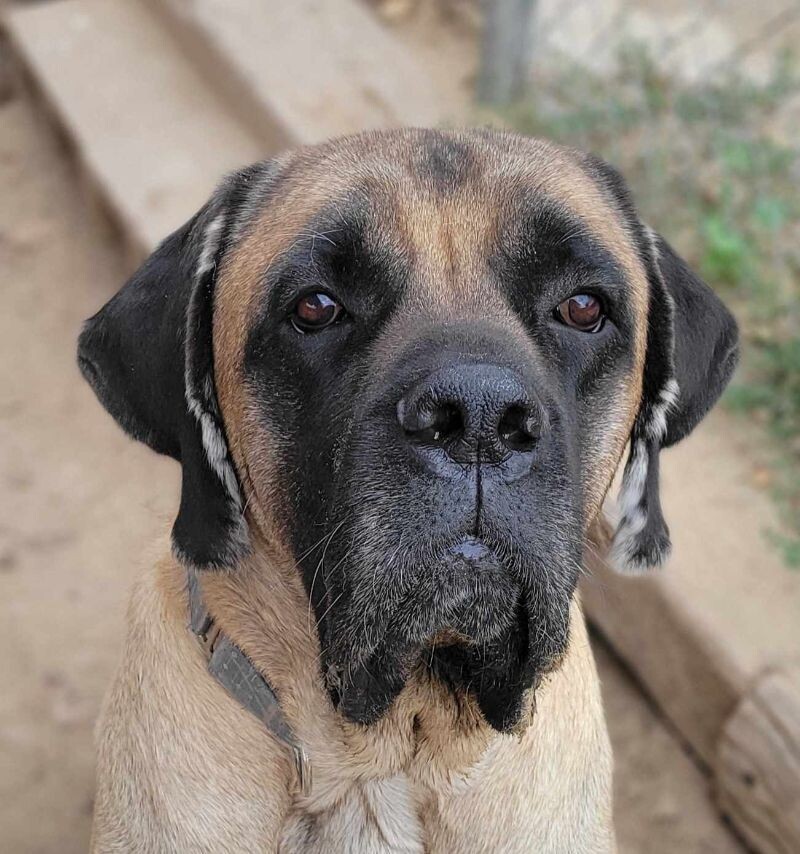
<point>413,360</point>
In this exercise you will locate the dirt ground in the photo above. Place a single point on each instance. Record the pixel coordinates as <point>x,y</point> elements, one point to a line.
<point>80,505</point>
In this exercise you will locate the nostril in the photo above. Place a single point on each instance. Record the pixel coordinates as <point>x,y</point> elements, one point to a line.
<point>448,423</point>
<point>518,428</point>
<point>434,422</point>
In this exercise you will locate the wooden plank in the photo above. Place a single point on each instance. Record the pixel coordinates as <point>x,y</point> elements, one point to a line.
<point>758,764</point>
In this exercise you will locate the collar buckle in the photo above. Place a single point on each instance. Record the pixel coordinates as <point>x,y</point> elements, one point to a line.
<point>302,767</point>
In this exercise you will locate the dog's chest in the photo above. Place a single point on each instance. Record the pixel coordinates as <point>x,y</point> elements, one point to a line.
<point>424,757</point>
<point>376,817</point>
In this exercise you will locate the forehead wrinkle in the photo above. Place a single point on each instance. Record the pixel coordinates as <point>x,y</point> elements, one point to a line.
<point>448,238</point>
<point>538,165</point>
<point>537,230</point>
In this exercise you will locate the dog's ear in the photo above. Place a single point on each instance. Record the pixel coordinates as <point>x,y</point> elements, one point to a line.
<point>148,356</point>
<point>692,350</point>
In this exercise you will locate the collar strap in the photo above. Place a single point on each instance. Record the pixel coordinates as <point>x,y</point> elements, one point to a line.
<point>228,664</point>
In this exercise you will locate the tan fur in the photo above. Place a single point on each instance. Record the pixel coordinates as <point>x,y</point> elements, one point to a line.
<point>183,768</point>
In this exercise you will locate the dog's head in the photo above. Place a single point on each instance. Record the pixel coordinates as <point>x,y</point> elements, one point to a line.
<point>413,360</point>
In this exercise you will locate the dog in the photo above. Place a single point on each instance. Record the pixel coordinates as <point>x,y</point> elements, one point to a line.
<point>399,371</point>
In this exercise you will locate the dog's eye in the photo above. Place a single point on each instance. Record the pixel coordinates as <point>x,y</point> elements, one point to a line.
<point>582,311</point>
<point>314,312</point>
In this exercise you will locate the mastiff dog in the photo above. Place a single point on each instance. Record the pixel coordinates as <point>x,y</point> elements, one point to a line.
<point>399,371</point>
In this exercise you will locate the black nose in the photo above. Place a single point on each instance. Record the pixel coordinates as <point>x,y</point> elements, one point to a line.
<point>475,412</point>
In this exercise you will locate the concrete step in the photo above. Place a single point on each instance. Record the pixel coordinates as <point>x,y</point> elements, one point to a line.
<point>158,99</point>
<point>145,128</point>
<point>304,71</point>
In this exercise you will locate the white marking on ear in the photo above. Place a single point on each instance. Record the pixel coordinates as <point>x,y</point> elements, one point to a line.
<point>211,240</point>
<point>632,518</point>
<point>627,547</point>
<point>656,427</point>
<point>634,480</point>
<point>200,396</point>
<point>634,547</point>
<point>652,239</point>
<point>258,183</point>
<point>216,449</point>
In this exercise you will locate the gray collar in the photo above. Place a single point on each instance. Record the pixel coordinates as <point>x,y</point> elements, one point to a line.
<point>228,664</point>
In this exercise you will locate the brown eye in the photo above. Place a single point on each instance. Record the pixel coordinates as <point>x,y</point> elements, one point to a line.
<point>315,312</point>
<point>582,311</point>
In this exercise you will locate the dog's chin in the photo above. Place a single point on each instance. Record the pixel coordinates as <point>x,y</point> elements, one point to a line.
<point>467,622</point>
<point>465,593</point>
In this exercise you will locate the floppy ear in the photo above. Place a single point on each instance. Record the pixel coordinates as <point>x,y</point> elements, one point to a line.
<point>692,349</point>
<point>148,356</point>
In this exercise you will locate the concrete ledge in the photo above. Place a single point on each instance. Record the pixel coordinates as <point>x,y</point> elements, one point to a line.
<point>302,71</point>
<point>152,138</point>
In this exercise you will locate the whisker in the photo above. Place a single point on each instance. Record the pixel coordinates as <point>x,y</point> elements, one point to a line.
<point>319,566</point>
<point>325,612</point>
